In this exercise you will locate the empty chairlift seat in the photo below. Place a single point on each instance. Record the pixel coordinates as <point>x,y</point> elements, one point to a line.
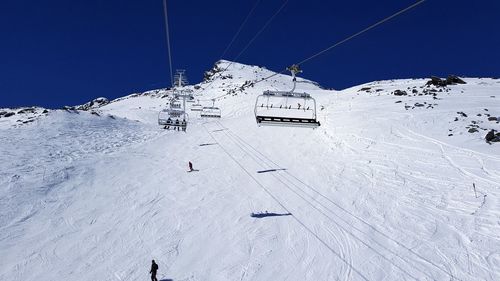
<point>196,107</point>
<point>210,112</point>
<point>176,104</point>
<point>284,108</point>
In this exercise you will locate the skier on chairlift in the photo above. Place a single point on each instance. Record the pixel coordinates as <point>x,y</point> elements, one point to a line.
<point>177,124</point>
<point>183,125</point>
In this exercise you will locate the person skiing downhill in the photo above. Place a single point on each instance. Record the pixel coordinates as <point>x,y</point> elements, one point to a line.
<point>154,268</point>
<point>190,166</point>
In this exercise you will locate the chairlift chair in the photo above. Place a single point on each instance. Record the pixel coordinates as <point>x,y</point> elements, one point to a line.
<point>197,106</point>
<point>211,111</point>
<point>175,103</point>
<point>286,108</point>
<point>173,118</point>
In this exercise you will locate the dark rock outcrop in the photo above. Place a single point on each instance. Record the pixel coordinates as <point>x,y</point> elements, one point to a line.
<point>96,103</point>
<point>492,136</point>
<point>399,93</point>
<point>453,80</point>
<point>450,80</point>
<point>26,110</point>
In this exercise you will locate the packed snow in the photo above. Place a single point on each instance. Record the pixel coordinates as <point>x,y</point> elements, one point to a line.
<point>389,187</point>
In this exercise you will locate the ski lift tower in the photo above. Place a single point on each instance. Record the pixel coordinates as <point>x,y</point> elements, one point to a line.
<point>180,78</point>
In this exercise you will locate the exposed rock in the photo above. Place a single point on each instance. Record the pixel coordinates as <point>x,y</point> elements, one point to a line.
<point>210,74</point>
<point>436,81</point>
<point>96,103</point>
<point>450,80</point>
<point>70,109</point>
<point>461,113</point>
<point>366,89</point>
<point>453,79</point>
<point>26,110</point>
<point>247,84</point>
<point>473,130</point>
<point>399,93</point>
<point>9,114</point>
<point>492,136</point>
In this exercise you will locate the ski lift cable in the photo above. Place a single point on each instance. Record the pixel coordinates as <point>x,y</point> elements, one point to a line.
<point>248,45</point>
<point>256,35</point>
<point>299,191</point>
<point>167,33</point>
<point>322,241</point>
<point>332,46</point>
<point>347,39</point>
<point>240,28</point>
<point>263,160</point>
<point>262,29</point>
<point>363,31</point>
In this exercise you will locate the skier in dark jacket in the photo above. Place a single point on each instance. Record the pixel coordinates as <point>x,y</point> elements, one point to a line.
<point>154,268</point>
<point>190,166</point>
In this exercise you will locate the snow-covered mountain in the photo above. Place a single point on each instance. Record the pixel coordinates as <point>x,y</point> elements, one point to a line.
<point>398,183</point>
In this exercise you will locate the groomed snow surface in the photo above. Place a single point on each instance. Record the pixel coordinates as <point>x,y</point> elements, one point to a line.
<point>382,190</point>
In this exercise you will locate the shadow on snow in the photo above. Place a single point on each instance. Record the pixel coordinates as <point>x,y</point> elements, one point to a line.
<point>270,170</point>
<point>266,214</point>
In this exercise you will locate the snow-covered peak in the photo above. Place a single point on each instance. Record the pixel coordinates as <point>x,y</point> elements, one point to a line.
<point>242,74</point>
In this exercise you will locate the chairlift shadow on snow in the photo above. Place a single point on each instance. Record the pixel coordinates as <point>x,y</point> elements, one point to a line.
<point>270,170</point>
<point>207,144</point>
<point>266,214</point>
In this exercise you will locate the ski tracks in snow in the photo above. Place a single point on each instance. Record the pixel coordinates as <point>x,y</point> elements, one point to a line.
<point>403,261</point>
<point>269,181</point>
<point>461,265</point>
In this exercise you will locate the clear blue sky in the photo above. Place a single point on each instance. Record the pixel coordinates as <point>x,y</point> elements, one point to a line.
<point>60,52</point>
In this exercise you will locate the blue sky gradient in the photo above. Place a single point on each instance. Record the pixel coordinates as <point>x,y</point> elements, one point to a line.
<point>58,52</point>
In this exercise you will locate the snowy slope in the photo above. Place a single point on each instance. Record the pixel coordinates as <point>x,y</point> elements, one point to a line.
<point>382,190</point>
